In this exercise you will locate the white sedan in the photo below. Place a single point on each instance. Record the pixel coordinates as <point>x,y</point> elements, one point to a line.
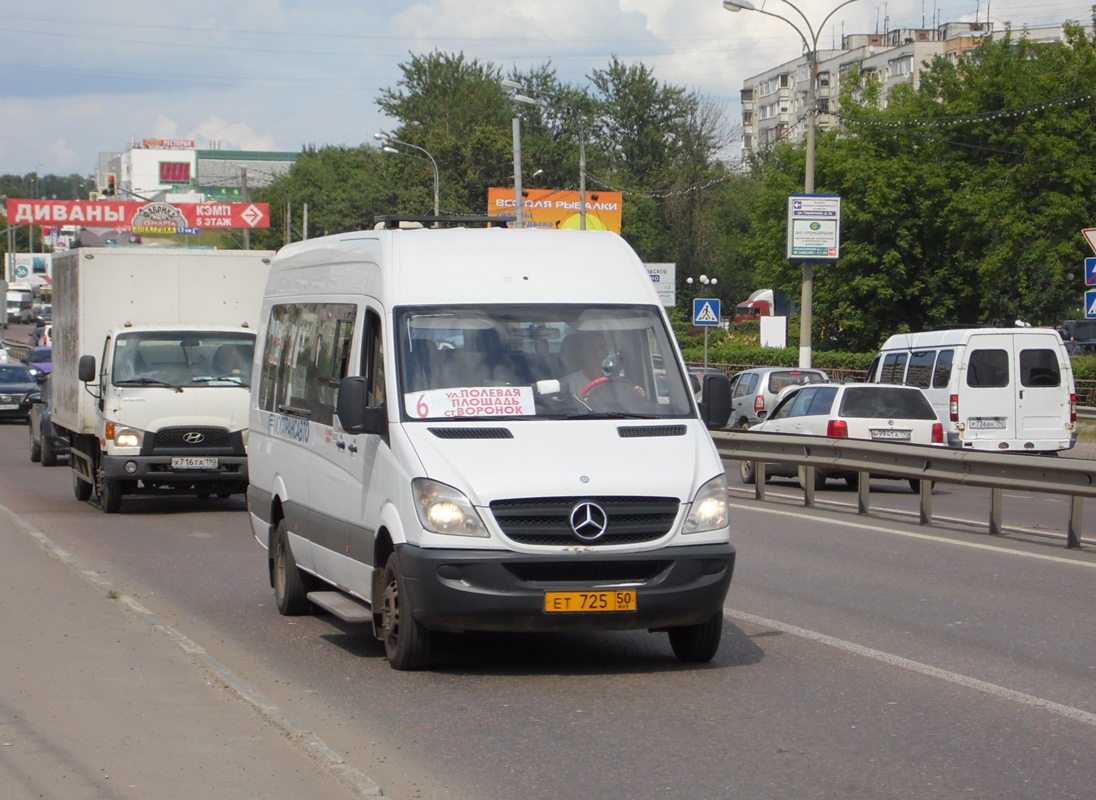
<point>879,412</point>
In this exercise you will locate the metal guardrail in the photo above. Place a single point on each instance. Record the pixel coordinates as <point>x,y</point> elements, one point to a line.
<point>994,471</point>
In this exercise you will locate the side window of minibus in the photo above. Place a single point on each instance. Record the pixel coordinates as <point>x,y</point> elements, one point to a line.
<point>373,360</point>
<point>919,373</point>
<point>941,376</point>
<point>273,357</point>
<point>894,368</point>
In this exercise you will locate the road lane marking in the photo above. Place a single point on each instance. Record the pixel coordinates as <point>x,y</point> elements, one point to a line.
<point>910,534</point>
<point>893,660</point>
<point>313,746</point>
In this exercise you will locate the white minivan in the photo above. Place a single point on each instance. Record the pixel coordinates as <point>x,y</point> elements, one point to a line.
<point>1001,389</point>
<point>484,429</point>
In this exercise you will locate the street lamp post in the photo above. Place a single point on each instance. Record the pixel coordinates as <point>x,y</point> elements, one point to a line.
<point>806,316</point>
<point>390,140</point>
<point>704,279</point>
<point>521,98</point>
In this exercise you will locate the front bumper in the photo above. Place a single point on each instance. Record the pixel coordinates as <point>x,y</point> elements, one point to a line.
<point>157,470</point>
<point>476,590</point>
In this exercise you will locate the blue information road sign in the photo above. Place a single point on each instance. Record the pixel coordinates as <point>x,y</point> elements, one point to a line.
<point>705,311</point>
<point>1090,272</point>
<point>1090,304</point>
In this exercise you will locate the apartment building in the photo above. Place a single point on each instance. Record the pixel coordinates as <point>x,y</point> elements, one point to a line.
<point>774,102</point>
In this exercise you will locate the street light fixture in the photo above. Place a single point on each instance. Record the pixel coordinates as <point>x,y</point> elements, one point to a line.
<point>387,147</point>
<point>811,44</point>
<point>521,98</point>
<point>704,279</point>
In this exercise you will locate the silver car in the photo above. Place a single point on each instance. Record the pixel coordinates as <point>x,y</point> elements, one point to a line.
<point>754,391</point>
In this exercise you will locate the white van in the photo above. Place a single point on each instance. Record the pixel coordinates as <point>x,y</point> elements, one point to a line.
<point>484,429</point>
<point>1008,389</point>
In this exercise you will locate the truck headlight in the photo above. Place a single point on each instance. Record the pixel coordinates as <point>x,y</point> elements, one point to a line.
<point>443,509</point>
<point>710,510</point>
<point>127,437</point>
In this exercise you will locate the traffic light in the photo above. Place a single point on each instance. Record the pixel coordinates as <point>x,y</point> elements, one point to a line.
<point>111,189</point>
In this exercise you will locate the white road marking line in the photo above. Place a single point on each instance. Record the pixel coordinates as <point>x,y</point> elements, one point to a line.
<point>1069,712</point>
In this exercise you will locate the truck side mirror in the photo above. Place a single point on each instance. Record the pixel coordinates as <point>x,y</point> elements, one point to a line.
<point>86,369</point>
<point>354,414</point>
<point>715,401</point>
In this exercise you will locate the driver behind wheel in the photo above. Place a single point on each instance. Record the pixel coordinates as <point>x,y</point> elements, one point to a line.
<point>584,354</point>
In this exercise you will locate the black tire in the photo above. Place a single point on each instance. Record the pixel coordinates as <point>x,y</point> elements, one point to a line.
<point>915,485</point>
<point>224,495</point>
<point>49,455</point>
<point>406,642</point>
<point>291,586</point>
<point>697,644</point>
<point>746,471</point>
<point>819,479</point>
<point>852,481</point>
<point>35,447</point>
<point>80,487</point>
<point>110,495</point>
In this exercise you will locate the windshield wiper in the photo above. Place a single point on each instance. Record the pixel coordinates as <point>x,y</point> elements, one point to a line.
<point>148,382</point>
<point>611,415</point>
<point>234,380</point>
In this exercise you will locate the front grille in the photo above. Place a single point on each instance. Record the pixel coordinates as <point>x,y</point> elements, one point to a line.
<point>643,431</point>
<point>471,433</point>
<point>547,520</point>
<point>175,439</point>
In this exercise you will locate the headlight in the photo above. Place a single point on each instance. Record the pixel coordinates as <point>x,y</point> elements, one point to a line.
<point>710,510</point>
<point>127,437</point>
<point>244,437</point>
<point>33,397</point>
<point>443,509</point>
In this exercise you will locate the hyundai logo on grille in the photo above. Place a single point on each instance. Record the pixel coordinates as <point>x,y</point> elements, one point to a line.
<point>589,521</point>
<point>194,437</point>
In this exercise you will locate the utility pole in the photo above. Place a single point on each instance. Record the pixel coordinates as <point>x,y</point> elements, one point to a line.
<point>243,191</point>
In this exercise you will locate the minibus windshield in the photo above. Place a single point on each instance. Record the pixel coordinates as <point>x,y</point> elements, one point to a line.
<point>537,361</point>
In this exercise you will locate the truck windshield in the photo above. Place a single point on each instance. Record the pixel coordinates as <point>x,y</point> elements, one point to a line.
<point>183,358</point>
<point>537,361</point>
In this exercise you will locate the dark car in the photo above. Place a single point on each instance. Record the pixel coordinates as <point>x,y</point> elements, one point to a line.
<point>45,445</point>
<point>18,391</point>
<point>39,361</point>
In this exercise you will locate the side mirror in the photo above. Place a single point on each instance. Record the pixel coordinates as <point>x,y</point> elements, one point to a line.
<point>353,413</point>
<point>86,369</point>
<point>762,415</point>
<point>715,401</point>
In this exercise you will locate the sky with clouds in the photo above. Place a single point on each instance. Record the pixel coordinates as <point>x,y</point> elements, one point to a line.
<point>83,77</point>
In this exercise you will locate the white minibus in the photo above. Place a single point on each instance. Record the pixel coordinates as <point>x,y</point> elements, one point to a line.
<point>1003,389</point>
<point>484,429</point>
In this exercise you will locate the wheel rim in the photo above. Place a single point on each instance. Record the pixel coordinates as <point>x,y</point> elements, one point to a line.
<point>390,614</point>
<point>279,569</point>
<point>745,469</point>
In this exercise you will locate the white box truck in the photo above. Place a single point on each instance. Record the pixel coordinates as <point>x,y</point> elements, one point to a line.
<point>152,362</point>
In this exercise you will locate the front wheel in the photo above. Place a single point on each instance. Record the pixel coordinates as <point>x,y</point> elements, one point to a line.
<point>746,472</point>
<point>406,642</point>
<point>915,485</point>
<point>290,584</point>
<point>35,447</point>
<point>49,455</point>
<point>110,495</point>
<point>697,643</point>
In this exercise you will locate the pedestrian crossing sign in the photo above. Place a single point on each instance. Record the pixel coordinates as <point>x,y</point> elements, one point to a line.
<point>705,311</point>
<point>1090,304</point>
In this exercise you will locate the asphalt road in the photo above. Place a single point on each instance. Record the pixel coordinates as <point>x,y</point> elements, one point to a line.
<point>862,657</point>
